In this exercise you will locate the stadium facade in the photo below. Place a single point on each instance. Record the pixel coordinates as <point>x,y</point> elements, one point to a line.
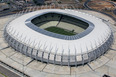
<point>93,36</point>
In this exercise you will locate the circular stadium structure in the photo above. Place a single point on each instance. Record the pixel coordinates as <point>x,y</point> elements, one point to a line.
<point>64,37</point>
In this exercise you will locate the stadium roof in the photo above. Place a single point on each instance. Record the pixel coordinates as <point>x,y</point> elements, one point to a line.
<point>96,37</point>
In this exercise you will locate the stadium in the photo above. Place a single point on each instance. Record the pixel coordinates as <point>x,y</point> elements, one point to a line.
<point>64,37</point>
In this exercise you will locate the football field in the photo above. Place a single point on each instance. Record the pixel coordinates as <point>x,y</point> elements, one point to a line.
<point>59,30</point>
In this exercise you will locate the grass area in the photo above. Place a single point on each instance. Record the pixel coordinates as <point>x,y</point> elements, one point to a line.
<point>2,75</point>
<point>60,31</point>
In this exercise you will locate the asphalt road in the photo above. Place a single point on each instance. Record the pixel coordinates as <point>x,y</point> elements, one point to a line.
<point>114,11</point>
<point>85,4</point>
<point>7,72</point>
<point>8,12</point>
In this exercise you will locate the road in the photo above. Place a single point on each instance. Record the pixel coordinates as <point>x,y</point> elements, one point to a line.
<point>8,12</point>
<point>85,4</point>
<point>7,72</point>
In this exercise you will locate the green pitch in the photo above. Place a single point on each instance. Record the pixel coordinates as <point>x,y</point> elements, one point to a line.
<point>60,31</point>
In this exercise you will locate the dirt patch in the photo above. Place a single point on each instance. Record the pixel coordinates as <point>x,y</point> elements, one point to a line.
<point>101,5</point>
